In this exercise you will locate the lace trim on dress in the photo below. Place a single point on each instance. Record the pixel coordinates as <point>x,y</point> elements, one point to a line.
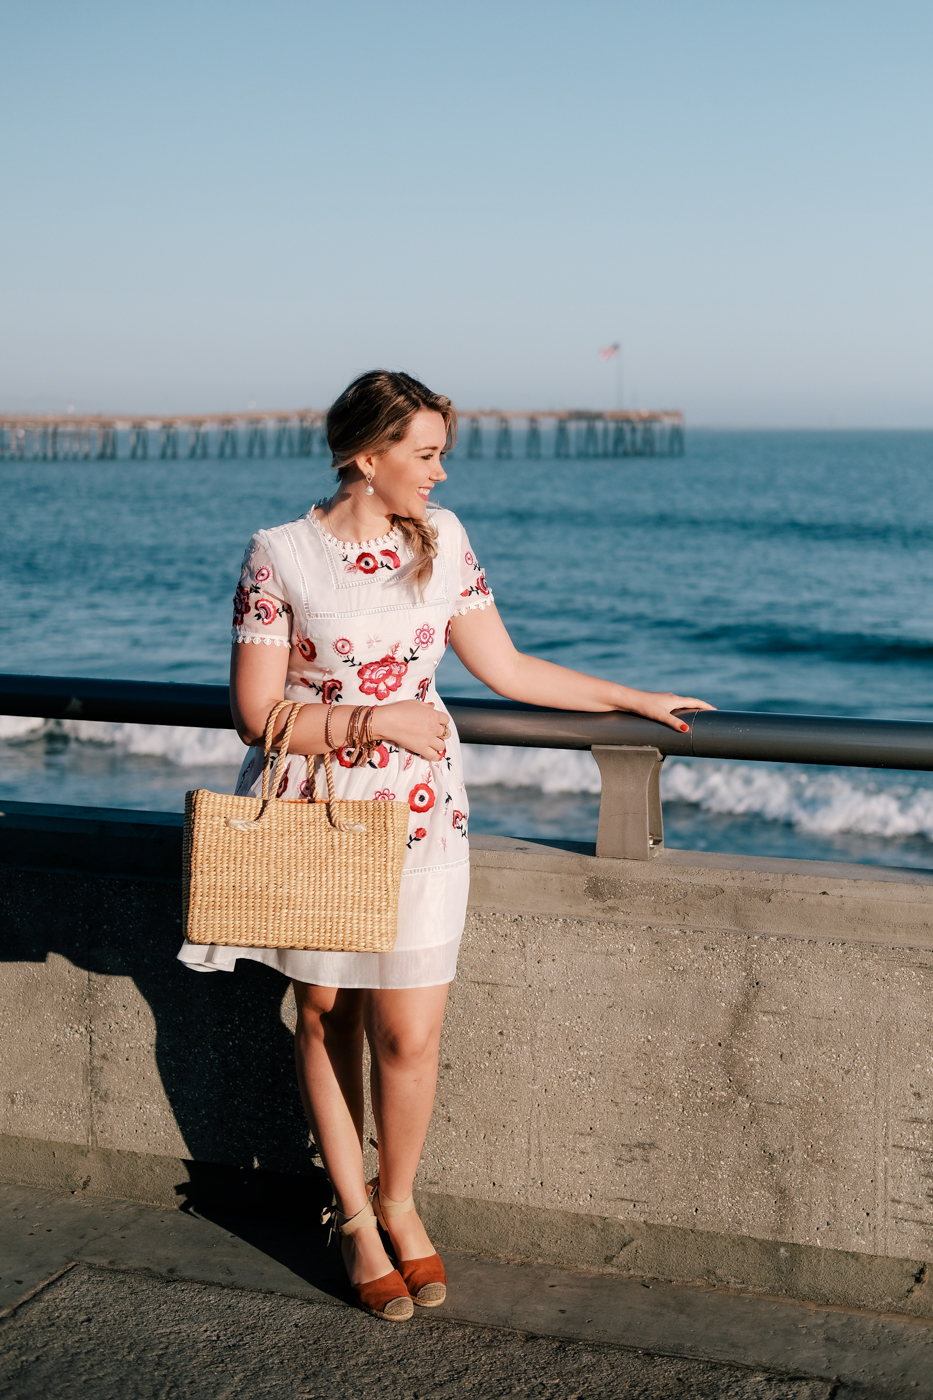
<point>471,607</point>
<point>393,534</point>
<point>240,634</point>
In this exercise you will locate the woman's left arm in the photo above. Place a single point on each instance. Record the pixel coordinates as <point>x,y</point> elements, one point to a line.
<point>484,646</point>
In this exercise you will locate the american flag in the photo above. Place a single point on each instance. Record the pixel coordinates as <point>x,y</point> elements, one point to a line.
<point>608,352</point>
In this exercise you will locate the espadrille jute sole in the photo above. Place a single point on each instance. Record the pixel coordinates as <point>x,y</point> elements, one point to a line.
<point>431,1295</point>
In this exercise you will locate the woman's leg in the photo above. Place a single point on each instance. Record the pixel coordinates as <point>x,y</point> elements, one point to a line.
<point>329,1062</point>
<point>404,1032</point>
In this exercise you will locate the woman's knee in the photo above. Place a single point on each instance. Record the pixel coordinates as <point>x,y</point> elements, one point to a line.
<point>409,1044</point>
<point>323,1010</point>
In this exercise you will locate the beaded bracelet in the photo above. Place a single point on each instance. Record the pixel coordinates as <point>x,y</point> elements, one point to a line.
<point>328,735</point>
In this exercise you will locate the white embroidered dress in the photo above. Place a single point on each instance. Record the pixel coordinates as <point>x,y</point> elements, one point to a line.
<point>359,632</point>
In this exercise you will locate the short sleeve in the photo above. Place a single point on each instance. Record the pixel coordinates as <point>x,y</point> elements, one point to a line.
<point>261,613</point>
<point>473,589</point>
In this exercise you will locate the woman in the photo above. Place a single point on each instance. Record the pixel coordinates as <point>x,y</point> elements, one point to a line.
<point>354,604</point>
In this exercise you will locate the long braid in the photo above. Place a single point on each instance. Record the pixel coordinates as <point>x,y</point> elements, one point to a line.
<point>421,537</point>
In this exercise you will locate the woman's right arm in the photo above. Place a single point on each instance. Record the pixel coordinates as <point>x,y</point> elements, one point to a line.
<point>257,685</point>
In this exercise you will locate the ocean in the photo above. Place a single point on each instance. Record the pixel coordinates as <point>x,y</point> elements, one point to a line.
<point>782,571</point>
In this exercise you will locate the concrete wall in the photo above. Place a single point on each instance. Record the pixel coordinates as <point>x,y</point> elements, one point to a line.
<point>698,1067</point>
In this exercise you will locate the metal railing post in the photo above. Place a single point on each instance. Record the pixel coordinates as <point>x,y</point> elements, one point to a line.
<point>631,824</point>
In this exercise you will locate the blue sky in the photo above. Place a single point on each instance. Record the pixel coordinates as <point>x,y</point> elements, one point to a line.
<point>212,205</point>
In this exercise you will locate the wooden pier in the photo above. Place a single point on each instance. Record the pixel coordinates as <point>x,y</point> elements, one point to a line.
<point>506,433</point>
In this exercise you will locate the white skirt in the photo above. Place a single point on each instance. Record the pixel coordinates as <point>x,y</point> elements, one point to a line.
<point>431,912</point>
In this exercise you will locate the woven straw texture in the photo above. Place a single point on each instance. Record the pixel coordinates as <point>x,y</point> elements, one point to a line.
<point>293,880</point>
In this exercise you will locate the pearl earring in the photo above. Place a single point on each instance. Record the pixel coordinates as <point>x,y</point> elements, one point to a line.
<point>369,487</point>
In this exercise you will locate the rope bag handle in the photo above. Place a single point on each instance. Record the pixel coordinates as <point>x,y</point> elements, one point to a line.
<point>338,823</point>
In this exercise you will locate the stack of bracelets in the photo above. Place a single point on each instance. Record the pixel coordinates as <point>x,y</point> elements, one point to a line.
<point>359,740</point>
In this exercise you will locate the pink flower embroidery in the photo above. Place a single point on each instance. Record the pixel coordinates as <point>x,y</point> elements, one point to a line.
<point>421,798</point>
<point>330,691</point>
<point>307,648</point>
<point>266,611</point>
<point>381,677</point>
<point>424,635</point>
<point>390,554</point>
<point>342,646</point>
<point>468,559</point>
<point>240,605</point>
<point>384,795</point>
<point>367,563</point>
<point>263,574</point>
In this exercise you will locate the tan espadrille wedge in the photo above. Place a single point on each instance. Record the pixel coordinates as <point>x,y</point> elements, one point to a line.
<point>386,1297</point>
<point>425,1278</point>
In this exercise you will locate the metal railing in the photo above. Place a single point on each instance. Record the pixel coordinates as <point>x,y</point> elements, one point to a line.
<point>628,749</point>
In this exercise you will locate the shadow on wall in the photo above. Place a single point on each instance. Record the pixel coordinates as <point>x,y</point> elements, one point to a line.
<point>224,1055</point>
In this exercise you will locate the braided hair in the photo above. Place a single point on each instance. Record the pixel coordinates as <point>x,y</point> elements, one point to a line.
<point>372,414</point>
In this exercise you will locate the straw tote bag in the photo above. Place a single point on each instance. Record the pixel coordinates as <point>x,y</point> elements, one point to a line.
<point>265,872</point>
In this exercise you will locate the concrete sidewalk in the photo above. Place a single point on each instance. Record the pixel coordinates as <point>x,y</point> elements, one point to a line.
<point>111,1298</point>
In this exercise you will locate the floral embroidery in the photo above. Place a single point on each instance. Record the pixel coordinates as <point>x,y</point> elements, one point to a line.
<point>266,611</point>
<point>304,790</point>
<point>345,757</point>
<point>384,795</point>
<point>307,648</point>
<point>330,691</point>
<point>469,559</point>
<point>283,781</point>
<point>423,687</point>
<point>447,635</point>
<point>421,798</point>
<point>424,635</point>
<point>240,605</point>
<point>343,647</point>
<point>379,758</point>
<point>381,677</point>
<point>263,575</point>
<point>417,835</point>
<point>367,563</point>
<point>460,822</point>
<point>480,586</point>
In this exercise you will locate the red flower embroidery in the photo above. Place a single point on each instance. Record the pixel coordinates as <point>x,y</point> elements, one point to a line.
<point>266,611</point>
<point>307,648</point>
<point>345,757</point>
<point>481,584</point>
<point>423,688</point>
<point>240,605</point>
<point>283,781</point>
<point>421,798</point>
<point>381,677</point>
<point>342,646</point>
<point>424,635</point>
<point>304,790</point>
<point>459,821</point>
<point>384,795</point>
<point>465,593</point>
<point>420,833</point>
<point>367,563</point>
<point>263,574</point>
<point>447,634</point>
<point>380,755</point>
<point>330,690</point>
<point>390,554</point>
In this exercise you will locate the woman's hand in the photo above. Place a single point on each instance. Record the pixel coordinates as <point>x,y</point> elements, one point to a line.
<point>662,706</point>
<point>414,726</point>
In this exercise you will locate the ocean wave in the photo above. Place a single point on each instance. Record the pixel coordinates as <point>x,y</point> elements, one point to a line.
<point>815,801</point>
<point>834,646</point>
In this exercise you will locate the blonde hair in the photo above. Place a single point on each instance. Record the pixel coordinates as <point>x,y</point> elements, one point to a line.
<point>372,414</point>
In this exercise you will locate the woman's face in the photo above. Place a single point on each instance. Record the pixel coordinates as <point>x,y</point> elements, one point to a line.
<point>402,477</point>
